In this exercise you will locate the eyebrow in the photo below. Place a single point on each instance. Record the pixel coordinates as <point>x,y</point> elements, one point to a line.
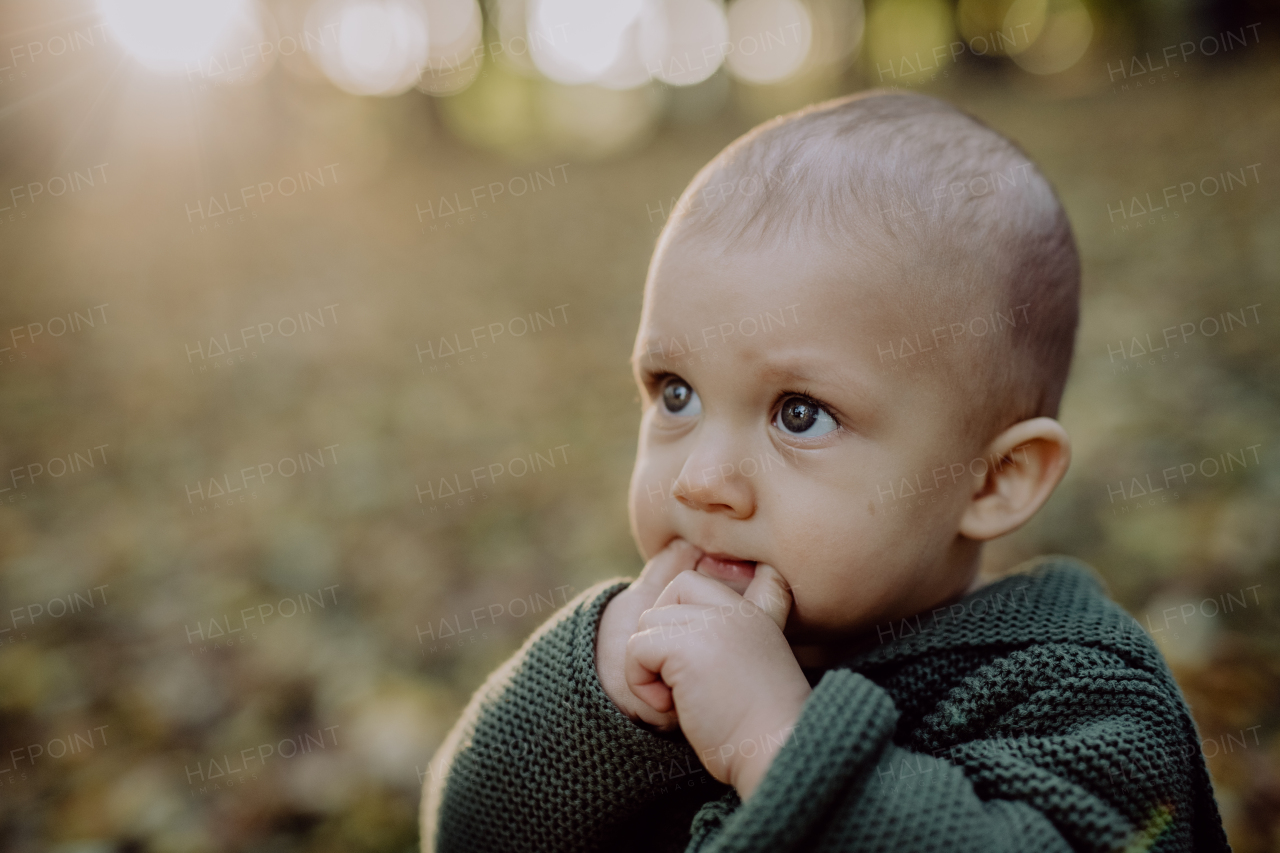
<point>805,371</point>
<point>655,353</point>
<point>655,350</point>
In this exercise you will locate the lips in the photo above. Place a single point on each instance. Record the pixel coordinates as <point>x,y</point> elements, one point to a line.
<point>726,567</point>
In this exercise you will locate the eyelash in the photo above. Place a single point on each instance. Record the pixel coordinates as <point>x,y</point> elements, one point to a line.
<point>655,379</point>
<point>817,401</point>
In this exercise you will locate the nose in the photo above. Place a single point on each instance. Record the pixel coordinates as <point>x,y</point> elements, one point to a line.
<point>711,482</point>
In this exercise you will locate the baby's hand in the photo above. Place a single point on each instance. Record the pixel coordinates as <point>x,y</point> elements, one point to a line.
<point>721,660</point>
<point>619,621</point>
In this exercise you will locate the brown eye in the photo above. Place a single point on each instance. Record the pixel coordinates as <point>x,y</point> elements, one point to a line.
<point>678,397</point>
<point>803,417</point>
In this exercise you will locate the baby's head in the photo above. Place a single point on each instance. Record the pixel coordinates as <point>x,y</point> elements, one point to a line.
<point>857,327</point>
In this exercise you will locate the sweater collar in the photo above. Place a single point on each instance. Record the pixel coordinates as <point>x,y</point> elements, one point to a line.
<point>1046,600</point>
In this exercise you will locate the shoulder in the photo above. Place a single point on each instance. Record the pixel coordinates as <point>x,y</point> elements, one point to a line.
<point>1052,600</point>
<point>1047,630</point>
<point>1069,607</point>
<point>1063,629</point>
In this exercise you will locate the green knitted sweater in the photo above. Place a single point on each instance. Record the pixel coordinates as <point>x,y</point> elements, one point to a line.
<point>1032,715</point>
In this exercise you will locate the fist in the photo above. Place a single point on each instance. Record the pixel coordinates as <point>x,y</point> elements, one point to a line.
<point>720,660</point>
<point>621,619</point>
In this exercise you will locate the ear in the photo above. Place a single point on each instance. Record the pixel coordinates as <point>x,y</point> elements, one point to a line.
<point>1026,462</point>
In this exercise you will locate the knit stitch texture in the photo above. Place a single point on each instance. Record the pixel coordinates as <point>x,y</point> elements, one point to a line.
<point>1032,715</point>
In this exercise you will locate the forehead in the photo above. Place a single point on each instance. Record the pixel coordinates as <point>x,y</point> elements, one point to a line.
<point>779,298</point>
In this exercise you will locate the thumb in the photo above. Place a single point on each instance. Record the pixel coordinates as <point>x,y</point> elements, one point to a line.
<point>770,592</point>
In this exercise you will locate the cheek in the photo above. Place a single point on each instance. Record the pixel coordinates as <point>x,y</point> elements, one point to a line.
<point>841,559</point>
<point>811,537</point>
<point>647,502</point>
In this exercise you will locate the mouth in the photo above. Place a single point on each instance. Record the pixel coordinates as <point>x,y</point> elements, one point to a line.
<point>727,568</point>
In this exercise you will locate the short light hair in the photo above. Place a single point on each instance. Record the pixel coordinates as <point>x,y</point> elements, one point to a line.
<point>913,182</point>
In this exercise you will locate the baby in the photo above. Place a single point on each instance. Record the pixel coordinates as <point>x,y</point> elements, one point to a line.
<point>857,327</point>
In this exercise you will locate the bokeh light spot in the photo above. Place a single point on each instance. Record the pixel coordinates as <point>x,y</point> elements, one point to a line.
<point>908,39</point>
<point>1062,40</point>
<point>575,41</point>
<point>988,23</point>
<point>769,39</point>
<point>381,45</point>
<point>169,36</point>
<point>454,30</point>
<point>683,42</point>
<point>837,26</point>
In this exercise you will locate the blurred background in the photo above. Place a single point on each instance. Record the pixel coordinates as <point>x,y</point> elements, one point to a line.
<point>278,278</point>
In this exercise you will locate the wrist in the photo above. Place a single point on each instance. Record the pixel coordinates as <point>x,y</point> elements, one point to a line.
<point>749,770</point>
<point>608,666</point>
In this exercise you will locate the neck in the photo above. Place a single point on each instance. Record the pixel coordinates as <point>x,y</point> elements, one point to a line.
<point>827,654</point>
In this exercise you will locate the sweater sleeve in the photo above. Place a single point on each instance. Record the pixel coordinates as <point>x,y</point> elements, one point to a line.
<point>834,786</point>
<point>841,783</point>
<point>542,760</point>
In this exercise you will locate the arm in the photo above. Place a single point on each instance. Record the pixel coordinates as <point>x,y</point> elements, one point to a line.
<point>1099,771</point>
<point>542,760</point>
<point>836,784</point>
